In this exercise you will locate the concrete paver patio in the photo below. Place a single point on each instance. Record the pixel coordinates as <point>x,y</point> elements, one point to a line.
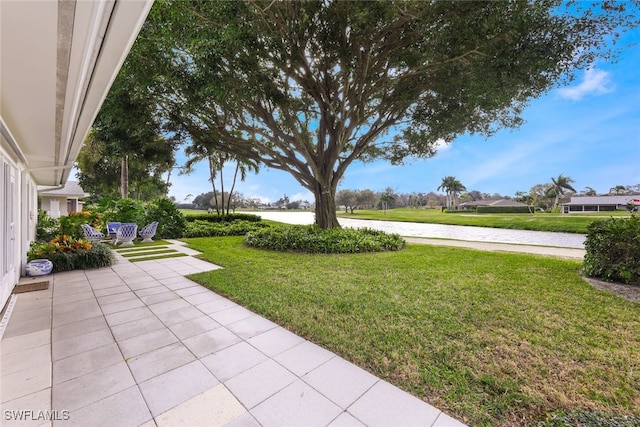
<point>138,344</point>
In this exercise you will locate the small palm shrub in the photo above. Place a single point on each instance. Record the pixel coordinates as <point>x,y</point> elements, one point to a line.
<point>312,239</point>
<point>613,250</point>
<point>214,229</point>
<point>69,253</point>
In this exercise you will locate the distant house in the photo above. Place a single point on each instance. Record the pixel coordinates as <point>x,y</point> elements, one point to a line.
<point>58,201</point>
<point>599,203</point>
<point>501,202</point>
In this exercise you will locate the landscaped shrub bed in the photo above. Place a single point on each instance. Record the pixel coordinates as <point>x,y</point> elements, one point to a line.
<point>68,253</point>
<point>613,250</point>
<point>312,239</point>
<point>224,218</point>
<point>504,209</point>
<point>201,228</point>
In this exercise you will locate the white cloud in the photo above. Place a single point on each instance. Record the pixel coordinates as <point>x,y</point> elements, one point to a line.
<point>594,82</point>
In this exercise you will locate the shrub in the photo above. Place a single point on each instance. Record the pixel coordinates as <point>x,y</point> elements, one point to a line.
<point>68,253</point>
<point>312,239</point>
<point>613,250</point>
<point>171,222</point>
<point>210,229</point>
<point>224,218</point>
<point>504,209</point>
<point>70,225</point>
<point>46,227</point>
<point>121,210</point>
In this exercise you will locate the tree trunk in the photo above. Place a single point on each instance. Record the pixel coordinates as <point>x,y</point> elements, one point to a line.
<point>124,178</point>
<point>233,186</point>
<point>326,217</point>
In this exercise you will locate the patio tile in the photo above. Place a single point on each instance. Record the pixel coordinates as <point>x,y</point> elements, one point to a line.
<point>30,324</point>
<point>194,327</point>
<point>126,408</point>
<point>80,296</point>
<point>143,343</point>
<point>40,400</point>
<point>25,359</point>
<point>81,343</point>
<point>275,341</point>
<point>66,289</point>
<point>83,305</point>
<point>159,297</point>
<point>216,305</point>
<point>151,291</point>
<point>92,387</point>
<point>177,386</point>
<point>111,291</point>
<point>192,290</point>
<point>25,382</point>
<point>166,306</point>
<point>110,299</point>
<point>128,316</point>
<point>385,405</point>
<point>233,360</point>
<point>445,420</point>
<point>296,405</point>
<point>345,419</point>
<point>202,297</point>
<point>257,384</point>
<point>24,342</point>
<point>177,316</point>
<point>144,283</point>
<point>251,326</point>
<point>230,315</point>
<point>340,381</point>
<point>81,327</point>
<point>244,420</point>
<point>81,364</point>
<point>210,342</point>
<point>105,283</point>
<point>74,316</point>
<point>156,362</point>
<point>178,282</point>
<point>122,306</point>
<point>135,328</point>
<point>304,358</point>
<point>214,407</point>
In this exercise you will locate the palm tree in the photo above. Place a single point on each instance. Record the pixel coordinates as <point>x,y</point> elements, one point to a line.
<point>452,187</point>
<point>558,187</point>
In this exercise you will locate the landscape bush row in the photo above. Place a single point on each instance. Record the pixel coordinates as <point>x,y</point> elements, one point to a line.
<point>200,228</point>
<point>226,218</point>
<point>311,239</point>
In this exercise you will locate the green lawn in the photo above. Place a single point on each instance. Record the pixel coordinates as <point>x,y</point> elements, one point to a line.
<point>491,338</point>
<point>569,223</point>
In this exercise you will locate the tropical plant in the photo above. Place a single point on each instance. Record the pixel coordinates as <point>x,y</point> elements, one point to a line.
<point>452,187</point>
<point>558,187</point>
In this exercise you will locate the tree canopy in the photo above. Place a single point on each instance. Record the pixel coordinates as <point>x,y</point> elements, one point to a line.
<point>310,87</point>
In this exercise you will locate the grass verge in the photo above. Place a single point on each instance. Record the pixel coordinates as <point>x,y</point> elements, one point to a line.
<point>568,223</point>
<point>491,338</point>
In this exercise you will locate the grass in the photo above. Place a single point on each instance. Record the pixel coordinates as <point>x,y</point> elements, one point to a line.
<point>491,338</point>
<point>158,249</point>
<point>568,223</point>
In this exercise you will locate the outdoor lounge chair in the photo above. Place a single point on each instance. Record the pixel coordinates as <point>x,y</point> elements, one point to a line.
<point>92,234</point>
<point>112,229</point>
<point>148,232</point>
<point>126,234</point>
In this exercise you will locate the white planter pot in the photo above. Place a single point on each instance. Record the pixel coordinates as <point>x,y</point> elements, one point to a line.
<point>39,267</point>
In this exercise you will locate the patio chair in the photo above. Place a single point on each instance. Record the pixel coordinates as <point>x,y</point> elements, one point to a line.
<point>112,229</point>
<point>126,234</point>
<point>148,232</point>
<point>91,234</point>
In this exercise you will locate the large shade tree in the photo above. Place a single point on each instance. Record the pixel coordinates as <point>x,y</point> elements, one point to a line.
<point>312,87</point>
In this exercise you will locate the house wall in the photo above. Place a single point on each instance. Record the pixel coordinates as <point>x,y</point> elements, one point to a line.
<point>18,213</point>
<point>54,206</point>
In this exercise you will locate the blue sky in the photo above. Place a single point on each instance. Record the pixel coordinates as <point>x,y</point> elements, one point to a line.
<point>589,131</point>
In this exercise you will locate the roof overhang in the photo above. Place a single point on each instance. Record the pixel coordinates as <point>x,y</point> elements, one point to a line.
<point>58,61</point>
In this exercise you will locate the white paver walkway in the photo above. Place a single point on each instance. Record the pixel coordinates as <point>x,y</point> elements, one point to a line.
<point>139,344</point>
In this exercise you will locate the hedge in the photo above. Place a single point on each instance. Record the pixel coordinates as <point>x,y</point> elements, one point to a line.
<point>504,209</point>
<point>223,218</point>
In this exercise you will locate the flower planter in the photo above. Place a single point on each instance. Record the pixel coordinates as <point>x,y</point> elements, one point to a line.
<point>39,267</point>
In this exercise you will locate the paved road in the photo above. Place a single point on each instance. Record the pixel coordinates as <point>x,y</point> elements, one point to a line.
<point>563,245</point>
